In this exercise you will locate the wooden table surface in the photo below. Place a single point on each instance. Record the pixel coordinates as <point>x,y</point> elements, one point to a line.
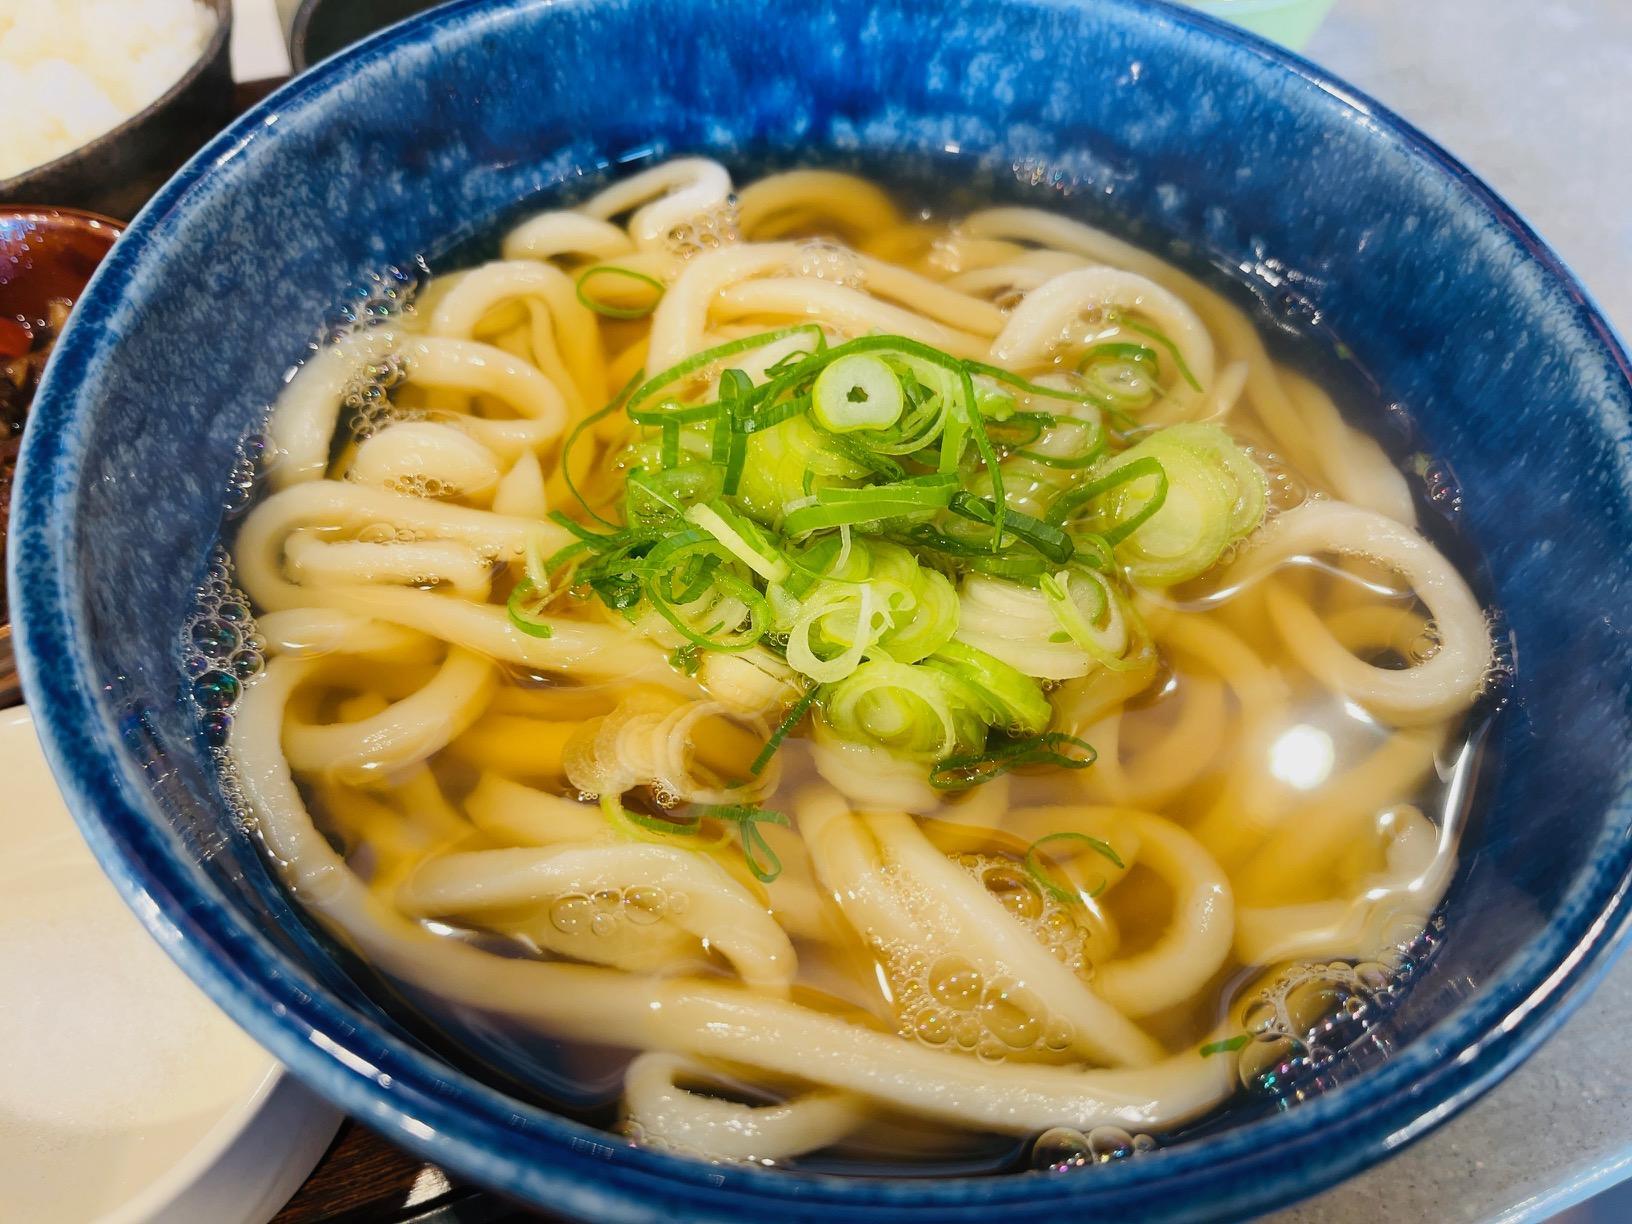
<point>363,1179</point>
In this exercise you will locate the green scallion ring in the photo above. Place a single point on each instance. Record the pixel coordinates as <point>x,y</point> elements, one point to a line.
<point>858,391</point>
<point>618,312</point>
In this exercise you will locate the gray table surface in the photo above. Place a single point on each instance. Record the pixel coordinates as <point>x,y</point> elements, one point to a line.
<point>1536,97</point>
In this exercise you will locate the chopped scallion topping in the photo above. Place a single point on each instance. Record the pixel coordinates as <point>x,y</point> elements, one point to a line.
<point>1039,872</point>
<point>609,310</point>
<point>822,502</point>
<point>525,608</point>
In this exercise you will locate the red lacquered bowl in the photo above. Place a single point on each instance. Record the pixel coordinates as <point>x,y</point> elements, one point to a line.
<point>46,256</point>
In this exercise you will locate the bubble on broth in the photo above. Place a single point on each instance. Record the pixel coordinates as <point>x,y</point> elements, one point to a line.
<point>945,1001</point>
<point>1064,1149</point>
<point>221,649</point>
<point>253,455</point>
<point>1285,489</point>
<point>821,259</point>
<point>377,298</point>
<point>1304,1020</point>
<point>707,231</point>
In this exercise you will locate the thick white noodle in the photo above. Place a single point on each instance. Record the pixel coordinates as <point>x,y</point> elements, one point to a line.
<point>668,1115</point>
<point>411,455</point>
<point>303,422</point>
<point>1041,322</point>
<point>717,909</point>
<point>404,733</point>
<point>561,232</point>
<point>665,198</point>
<point>683,1015</point>
<point>1445,683</point>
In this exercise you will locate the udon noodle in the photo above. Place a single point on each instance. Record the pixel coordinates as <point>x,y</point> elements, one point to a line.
<point>740,719</point>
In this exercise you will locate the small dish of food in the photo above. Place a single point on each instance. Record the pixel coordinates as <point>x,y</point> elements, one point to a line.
<point>46,257</point>
<point>319,28</point>
<point>126,1097</point>
<point>103,99</point>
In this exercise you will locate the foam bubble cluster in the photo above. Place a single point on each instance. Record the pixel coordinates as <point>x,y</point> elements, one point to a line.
<point>1051,922</point>
<point>421,486</point>
<point>251,458</point>
<point>602,912</point>
<point>1311,1013</point>
<point>377,298</point>
<point>945,1001</point>
<point>821,259</point>
<point>1300,1023</point>
<point>1285,489</point>
<point>1064,1148</point>
<point>707,231</point>
<point>221,649</point>
<point>366,402</point>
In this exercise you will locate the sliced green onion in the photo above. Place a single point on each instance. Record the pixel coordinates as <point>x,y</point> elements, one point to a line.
<point>1228,1046</point>
<point>1029,388</point>
<point>1019,428</point>
<point>858,391</point>
<point>649,390</point>
<point>594,418</point>
<point>653,498</point>
<point>641,827</point>
<point>836,615</point>
<point>1001,695</point>
<point>682,579</point>
<point>1093,614</point>
<point>1035,868</point>
<point>1123,470</point>
<point>836,507</point>
<point>1052,748</point>
<point>1172,349</point>
<point>923,608</point>
<point>756,851</point>
<point>908,710</point>
<point>787,363</point>
<point>790,720</point>
<point>536,565</point>
<point>1124,374</point>
<point>1045,538</point>
<point>525,608</point>
<point>1250,483</point>
<point>872,461</point>
<point>983,445</point>
<point>742,539</point>
<point>1191,524</point>
<point>774,414</point>
<point>619,312</point>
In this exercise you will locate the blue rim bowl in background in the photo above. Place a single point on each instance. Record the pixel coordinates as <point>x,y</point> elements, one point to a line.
<point>1327,214</point>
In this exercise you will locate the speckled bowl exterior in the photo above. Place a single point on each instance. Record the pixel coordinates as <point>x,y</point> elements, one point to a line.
<point>1256,168</point>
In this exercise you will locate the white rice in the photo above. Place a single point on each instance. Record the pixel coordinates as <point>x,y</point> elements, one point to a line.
<point>72,69</point>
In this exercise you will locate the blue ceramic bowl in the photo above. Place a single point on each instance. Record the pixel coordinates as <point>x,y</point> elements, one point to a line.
<point>1240,160</point>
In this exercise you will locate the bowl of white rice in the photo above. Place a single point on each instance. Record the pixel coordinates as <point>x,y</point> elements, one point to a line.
<point>104,99</point>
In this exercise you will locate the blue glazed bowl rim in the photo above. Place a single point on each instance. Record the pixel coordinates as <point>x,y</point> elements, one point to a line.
<point>397,1088</point>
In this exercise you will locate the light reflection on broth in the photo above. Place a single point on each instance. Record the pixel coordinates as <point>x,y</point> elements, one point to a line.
<point>529,768</point>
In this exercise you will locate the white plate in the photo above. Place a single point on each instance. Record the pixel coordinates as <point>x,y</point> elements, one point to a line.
<point>126,1096</point>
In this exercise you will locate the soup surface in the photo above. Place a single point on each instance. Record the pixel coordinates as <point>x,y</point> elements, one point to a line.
<point>844,684</point>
